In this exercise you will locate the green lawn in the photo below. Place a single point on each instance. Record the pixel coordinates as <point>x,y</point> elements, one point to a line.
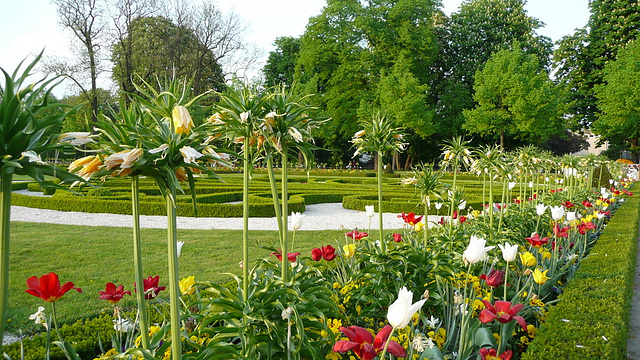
<point>92,256</point>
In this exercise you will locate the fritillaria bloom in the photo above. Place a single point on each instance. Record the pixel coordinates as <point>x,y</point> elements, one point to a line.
<point>48,288</point>
<point>502,312</point>
<point>190,154</point>
<point>476,250</point>
<point>181,120</point>
<point>362,343</point>
<point>401,311</point>
<point>76,138</point>
<point>112,293</point>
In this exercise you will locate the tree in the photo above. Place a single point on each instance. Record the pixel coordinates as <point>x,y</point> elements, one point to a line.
<point>85,19</point>
<point>80,119</point>
<point>515,98</point>
<point>581,57</point>
<point>281,64</point>
<point>480,29</point>
<point>351,46</point>
<point>619,99</point>
<point>160,49</point>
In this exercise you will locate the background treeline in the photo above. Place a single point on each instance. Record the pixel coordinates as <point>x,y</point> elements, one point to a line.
<point>483,72</point>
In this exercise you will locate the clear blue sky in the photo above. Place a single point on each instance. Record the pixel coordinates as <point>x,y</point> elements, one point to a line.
<point>28,26</point>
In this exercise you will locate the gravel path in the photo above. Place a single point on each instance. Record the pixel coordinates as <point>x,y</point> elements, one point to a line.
<point>331,216</point>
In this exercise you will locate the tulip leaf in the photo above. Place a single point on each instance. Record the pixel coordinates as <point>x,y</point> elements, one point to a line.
<point>433,353</point>
<point>484,338</point>
<point>68,350</point>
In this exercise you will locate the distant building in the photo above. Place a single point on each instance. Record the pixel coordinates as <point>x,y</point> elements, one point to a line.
<point>593,147</point>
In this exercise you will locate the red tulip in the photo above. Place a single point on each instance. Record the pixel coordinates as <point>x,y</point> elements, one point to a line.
<point>587,204</point>
<point>495,278</point>
<point>568,204</point>
<point>316,254</point>
<point>48,287</point>
<point>397,237</point>
<point>410,218</point>
<point>462,219</point>
<point>584,227</point>
<point>492,354</point>
<point>503,312</point>
<point>362,343</point>
<point>557,232</point>
<point>151,288</point>
<point>113,294</point>
<point>292,257</point>
<point>355,235</point>
<point>536,241</point>
<point>328,252</point>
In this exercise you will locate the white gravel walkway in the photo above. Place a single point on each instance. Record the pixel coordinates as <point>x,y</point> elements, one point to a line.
<point>330,216</point>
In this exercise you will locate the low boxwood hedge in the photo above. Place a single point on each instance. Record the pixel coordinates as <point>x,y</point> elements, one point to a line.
<point>591,318</point>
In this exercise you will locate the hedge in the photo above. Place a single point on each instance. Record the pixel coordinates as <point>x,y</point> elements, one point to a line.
<point>591,318</point>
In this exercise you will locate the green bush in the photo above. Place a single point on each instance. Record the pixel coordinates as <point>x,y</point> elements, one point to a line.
<point>591,319</point>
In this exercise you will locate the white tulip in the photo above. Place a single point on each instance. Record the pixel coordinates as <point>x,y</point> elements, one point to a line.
<point>512,184</point>
<point>540,209</point>
<point>296,220</point>
<point>462,205</point>
<point>571,215</point>
<point>180,244</point>
<point>509,251</point>
<point>557,212</point>
<point>476,249</point>
<point>370,210</point>
<point>438,205</point>
<point>401,311</point>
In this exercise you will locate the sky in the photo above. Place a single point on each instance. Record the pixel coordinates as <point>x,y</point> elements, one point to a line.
<point>29,26</point>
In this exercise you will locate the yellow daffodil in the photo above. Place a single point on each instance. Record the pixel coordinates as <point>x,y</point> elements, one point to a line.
<point>349,250</point>
<point>540,277</point>
<point>528,259</point>
<point>182,122</point>
<point>187,285</point>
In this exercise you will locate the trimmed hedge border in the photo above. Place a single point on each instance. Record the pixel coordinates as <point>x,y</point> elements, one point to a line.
<point>591,319</point>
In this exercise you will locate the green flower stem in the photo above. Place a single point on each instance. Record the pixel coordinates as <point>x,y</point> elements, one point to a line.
<point>274,195</point>
<point>285,213</point>
<point>426,222</point>
<point>383,247</point>
<point>453,197</point>
<point>386,345</point>
<point>245,217</point>
<point>5,218</point>
<point>506,277</point>
<point>174,296</point>
<point>55,320</point>
<point>490,206</point>
<point>137,261</point>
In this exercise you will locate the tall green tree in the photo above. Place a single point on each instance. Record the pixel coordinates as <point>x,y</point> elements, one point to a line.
<point>348,50</point>
<point>159,48</point>
<point>481,28</point>
<point>619,99</point>
<point>281,64</point>
<point>515,98</point>
<point>581,57</point>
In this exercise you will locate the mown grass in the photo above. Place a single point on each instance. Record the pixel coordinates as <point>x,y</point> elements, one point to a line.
<point>92,256</point>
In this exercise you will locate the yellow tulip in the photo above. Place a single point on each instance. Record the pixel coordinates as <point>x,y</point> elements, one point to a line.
<point>187,285</point>
<point>540,277</point>
<point>349,250</point>
<point>528,259</point>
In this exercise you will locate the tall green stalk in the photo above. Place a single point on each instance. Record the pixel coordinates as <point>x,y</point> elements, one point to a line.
<point>383,247</point>
<point>453,194</point>
<point>174,288</point>
<point>137,261</point>
<point>245,217</point>
<point>5,220</point>
<point>274,195</point>
<point>285,213</point>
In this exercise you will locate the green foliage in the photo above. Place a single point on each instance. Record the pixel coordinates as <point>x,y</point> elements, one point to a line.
<point>156,48</point>
<point>515,98</point>
<point>618,98</point>
<point>83,334</point>
<point>593,311</point>
<point>281,64</point>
